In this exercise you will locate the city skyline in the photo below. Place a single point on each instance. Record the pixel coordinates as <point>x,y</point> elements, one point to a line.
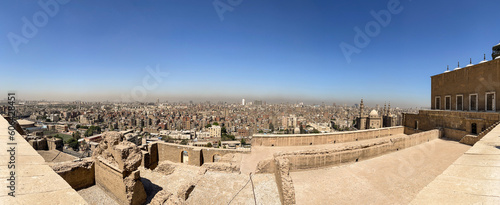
<point>280,51</point>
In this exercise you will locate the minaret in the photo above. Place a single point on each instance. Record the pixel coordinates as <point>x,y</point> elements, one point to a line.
<point>389,109</point>
<point>361,108</point>
<point>385,108</point>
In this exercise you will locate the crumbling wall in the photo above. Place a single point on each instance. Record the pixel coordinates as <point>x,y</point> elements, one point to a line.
<point>326,138</point>
<point>173,153</point>
<point>454,134</point>
<point>284,181</point>
<point>79,174</point>
<point>55,144</point>
<point>116,163</point>
<point>229,163</point>
<point>209,153</point>
<point>266,166</point>
<point>196,156</point>
<point>153,155</point>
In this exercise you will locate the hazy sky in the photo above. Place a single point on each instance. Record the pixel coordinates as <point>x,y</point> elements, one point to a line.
<point>273,50</point>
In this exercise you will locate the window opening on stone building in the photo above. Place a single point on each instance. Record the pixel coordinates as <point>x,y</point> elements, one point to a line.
<point>460,102</point>
<point>474,128</point>
<point>438,103</point>
<point>447,102</point>
<point>490,101</point>
<point>473,102</point>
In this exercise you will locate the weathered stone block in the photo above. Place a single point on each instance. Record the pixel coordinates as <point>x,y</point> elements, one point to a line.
<point>78,174</point>
<point>116,163</point>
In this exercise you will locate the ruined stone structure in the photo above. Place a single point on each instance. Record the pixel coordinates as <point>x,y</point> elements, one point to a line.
<point>116,163</point>
<point>196,156</point>
<point>45,143</point>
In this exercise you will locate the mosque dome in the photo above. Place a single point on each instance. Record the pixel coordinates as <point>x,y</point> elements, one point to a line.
<point>373,113</point>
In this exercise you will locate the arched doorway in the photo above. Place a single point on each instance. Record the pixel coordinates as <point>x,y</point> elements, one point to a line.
<point>184,157</point>
<point>474,128</point>
<point>216,157</point>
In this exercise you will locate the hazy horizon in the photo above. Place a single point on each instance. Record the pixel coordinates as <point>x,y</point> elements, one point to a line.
<point>275,51</point>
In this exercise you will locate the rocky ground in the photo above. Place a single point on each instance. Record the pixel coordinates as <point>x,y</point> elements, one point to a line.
<point>94,195</point>
<point>394,178</point>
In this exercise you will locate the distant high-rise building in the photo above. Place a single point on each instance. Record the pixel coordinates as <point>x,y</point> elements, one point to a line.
<point>243,101</point>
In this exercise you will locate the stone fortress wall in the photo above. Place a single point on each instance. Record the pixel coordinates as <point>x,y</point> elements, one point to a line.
<point>326,138</point>
<point>455,124</point>
<point>319,158</point>
<point>313,159</point>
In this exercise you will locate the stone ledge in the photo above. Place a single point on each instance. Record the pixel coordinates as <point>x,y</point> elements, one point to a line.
<point>36,182</point>
<point>472,178</point>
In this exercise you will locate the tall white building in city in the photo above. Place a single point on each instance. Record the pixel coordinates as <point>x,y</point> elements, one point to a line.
<point>243,101</point>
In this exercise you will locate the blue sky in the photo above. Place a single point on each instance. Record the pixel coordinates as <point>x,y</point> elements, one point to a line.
<point>273,50</point>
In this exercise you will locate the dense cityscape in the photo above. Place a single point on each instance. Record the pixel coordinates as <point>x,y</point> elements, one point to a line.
<point>200,124</point>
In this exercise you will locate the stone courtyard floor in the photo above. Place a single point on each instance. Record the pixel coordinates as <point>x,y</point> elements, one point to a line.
<point>394,178</point>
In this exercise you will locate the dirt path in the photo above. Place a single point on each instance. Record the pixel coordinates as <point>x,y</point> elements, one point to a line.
<point>394,178</point>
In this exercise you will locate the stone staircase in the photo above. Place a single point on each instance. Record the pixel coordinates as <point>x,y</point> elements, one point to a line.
<point>472,139</point>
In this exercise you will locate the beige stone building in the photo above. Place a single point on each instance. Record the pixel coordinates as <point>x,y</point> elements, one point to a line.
<point>463,100</point>
<point>215,131</point>
<point>470,88</point>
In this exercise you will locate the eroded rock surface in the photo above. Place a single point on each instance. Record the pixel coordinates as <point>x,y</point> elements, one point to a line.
<point>165,168</point>
<point>166,198</point>
<point>229,163</point>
